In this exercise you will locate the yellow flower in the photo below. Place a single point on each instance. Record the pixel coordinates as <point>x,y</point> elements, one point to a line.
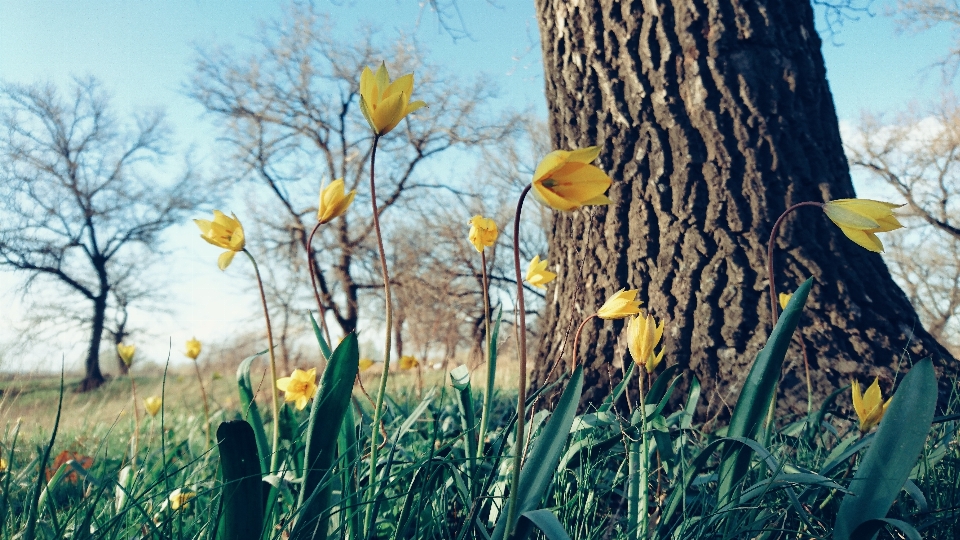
<point>537,273</point>
<point>622,304</point>
<point>784,300</point>
<point>126,353</point>
<point>365,364</point>
<point>860,219</point>
<point>483,232</point>
<point>152,404</point>
<point>179,498</point>
<point>408,362</point>
<point>868,406</point>
<point>193,349</point>
<point>223,232</point>
<point>643,335</point>
<point>300,387</point>
<point>565,180</point>
<point>334,201</point>
<point>385,103</point>
<point>3,465</point>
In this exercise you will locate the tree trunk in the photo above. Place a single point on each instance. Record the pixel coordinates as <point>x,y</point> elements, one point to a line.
<point>93,377</point>
<point>713,117</point>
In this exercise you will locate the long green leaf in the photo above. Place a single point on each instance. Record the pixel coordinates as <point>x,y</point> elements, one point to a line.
<point>895,449</point>
<point>241,517</point>
<point>545,453</point>
<point>758,391</point>
<point>460,378</point>
<point>324,346</point>
<point>547,522</point>
<point>326,416</point>
<point>350,458</point>
<point>249,411</point>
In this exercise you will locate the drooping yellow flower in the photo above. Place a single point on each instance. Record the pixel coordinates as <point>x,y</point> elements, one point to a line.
<point>334,201</point>
<point>193,349</point>
<point>299,387</point>
<point>860,219</point>
<point>383,103</point>
<point>566,180</point>
<point>622,304</point>
<point>223,232</point>
<point>365,364</point>
<point>483,232</point>
<point>537,273</point>
<point>643,335</point>
<point>152,404</point>
<point>869,406</point>
<point>126,353</point>
<point>784,300</point>
<point>408,362</point>
<point>180,497</point>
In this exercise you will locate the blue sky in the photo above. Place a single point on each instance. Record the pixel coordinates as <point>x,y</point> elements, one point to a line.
<point>142,51</point>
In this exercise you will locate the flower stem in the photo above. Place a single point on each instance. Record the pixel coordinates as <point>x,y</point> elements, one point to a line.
<point>576,342</point>
<point>206,408</point>
<point>374,448</point>
<point>136,423</point>
<point>275,402</point>
<point>313,281</point>
<point>491,363</point>
<point>774,312</point>
<point>522,380</point>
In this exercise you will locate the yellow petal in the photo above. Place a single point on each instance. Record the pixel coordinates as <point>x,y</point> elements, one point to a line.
<point>866,240</point>
<point>872,398</point>
<point>550,163</point>
<point>551,199</point>
<point>368,86</point>
<point>585,155</point>
<point>403,85</point>
<point>225,258</point>
<point>204,226</point>
<point>283,383</point>
<point>383,78</point>
<point>857,400</point>
<point>845,217</point>
<point>415,106</point>
<point>388,114</point>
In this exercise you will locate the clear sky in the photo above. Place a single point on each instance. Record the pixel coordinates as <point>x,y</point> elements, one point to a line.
<point>142,51</point>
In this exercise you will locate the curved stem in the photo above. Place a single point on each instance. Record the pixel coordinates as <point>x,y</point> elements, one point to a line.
<point>522,357</point>
<point>313,281</point>
<point>576,341</point>
<point>774,312</point>
<point>275,402</point>
<point>491,364</point>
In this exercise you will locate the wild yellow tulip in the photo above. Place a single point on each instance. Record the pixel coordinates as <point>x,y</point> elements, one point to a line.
<point>334,201</point>
<point>299,387</point>
<point>3,465</point>
<point>869,406</point>
<point>193,349</point>
<point>483,232</point>
<point>223,232</point>
<point>408,362</point>
<point>537,273</point>
<point>643,335</point>
<point>365,364</point>
<point>622,304</point>
<point>180,497</point>
<point>565,180</point>
<point>383,103</point>
<point>860,219</point>
<point>126,353</point>
<point>784,300</point>
<point>152,404</point>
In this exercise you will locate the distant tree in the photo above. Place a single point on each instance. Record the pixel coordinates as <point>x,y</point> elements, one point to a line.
<point>81,197</point>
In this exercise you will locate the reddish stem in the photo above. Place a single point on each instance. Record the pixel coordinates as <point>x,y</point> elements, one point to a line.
<point>576,342</point>
<point>313,281</point>
<point>774,312</point>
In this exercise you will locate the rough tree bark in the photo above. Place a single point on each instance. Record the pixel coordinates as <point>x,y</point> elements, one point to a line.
<point>713,117</point>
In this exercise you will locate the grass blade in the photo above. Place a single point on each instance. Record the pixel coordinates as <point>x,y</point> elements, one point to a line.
<point>250,413</point>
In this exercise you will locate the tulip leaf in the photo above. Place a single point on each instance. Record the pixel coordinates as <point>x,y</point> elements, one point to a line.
<point>544,520</point>
<point>886,465</point>
<point>617,390</point>
<point>324,346</point>
<point>868,529</point>
<point>249,411</point>
<point>659,387</point>
<point>242,490</point>
<point>543,457</point>
<point>326,416</point>
<point>350,458</point>
<point>757,393</point>
<point>460,378</point>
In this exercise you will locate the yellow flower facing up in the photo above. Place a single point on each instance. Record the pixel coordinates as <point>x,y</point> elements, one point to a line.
<point>179,498</point>
<point>483,232</point>
<point>643,335</point>
<point>126,353</point>
<point>193,349</point>
<point>383,103</point>
<point>784,300</point>
<point>299,387</point>
<point>869,406</point>
<point>408,362</point>
<point>365,364</point>
<point>537,273</point>
<point>861,219</point>
<point>622,304</point>
<point>566,180</point>
<point>152,404</point>
<point>223,232</point>
<point>334,201</point>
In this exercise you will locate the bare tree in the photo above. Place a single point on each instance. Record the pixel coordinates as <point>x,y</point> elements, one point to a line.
<point>292,120</point>
<point>921,15</point>
<point>80,195</point>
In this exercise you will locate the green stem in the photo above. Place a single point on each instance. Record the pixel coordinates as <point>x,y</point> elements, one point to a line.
<point>643,462</point>
<point>522,379</point>
<point>491,361</point>
<point>206,407</point>
<point>275,403</point>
